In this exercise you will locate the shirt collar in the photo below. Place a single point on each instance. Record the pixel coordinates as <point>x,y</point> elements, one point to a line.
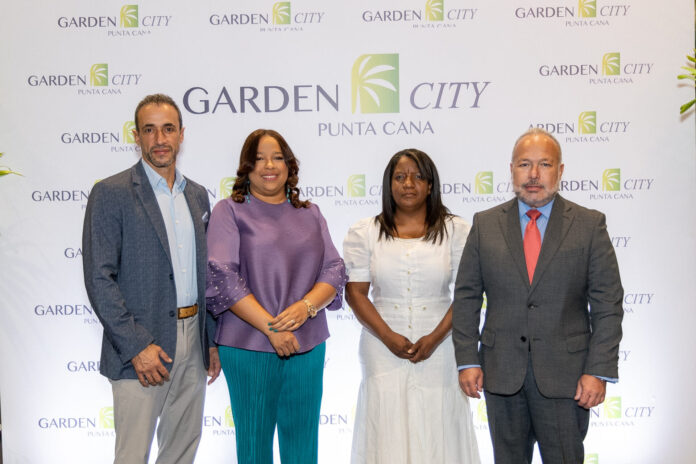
<point>158,182</point>
<point>544,210</point>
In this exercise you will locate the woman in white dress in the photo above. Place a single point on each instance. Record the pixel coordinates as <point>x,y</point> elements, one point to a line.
<point>410,408</point>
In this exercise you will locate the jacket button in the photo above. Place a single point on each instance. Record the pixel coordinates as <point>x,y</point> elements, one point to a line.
<point>531,306</point>
<point>171,313</point>
<point>523,338</point>
<point>171,276</point>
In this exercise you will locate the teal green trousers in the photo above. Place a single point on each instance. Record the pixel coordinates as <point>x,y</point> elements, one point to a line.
<point>267,391</point>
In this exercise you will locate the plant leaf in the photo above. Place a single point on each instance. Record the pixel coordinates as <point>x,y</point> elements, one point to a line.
<point>4,172</point>
<point>686,106</point>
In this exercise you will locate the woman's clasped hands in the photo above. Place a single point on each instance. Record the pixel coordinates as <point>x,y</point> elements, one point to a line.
<point>281,327</point>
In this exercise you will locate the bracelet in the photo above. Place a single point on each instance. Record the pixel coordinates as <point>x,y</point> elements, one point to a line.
<point>311,309</point>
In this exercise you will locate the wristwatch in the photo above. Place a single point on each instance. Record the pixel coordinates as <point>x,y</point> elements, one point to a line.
<point>311,309</point>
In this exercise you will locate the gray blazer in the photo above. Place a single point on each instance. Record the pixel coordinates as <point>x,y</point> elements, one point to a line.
<point>128,271</point>
<point>548,319</point>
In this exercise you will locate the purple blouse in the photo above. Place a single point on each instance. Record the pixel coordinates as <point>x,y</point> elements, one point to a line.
<point>277,252</point>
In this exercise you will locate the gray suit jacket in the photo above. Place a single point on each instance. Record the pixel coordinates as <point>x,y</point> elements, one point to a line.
<point>128,271</point>
<point>548,319</point>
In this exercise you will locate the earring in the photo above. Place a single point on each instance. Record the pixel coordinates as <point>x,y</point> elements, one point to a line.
<point>246,195</point>
<point>287,193</point>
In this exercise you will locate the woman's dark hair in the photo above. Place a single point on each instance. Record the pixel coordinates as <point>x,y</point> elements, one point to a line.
<point>247,162</point>
<point>436,213</point>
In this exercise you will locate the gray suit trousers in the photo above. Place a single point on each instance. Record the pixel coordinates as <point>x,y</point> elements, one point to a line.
<point>518,421</point>
<point>178,404</point>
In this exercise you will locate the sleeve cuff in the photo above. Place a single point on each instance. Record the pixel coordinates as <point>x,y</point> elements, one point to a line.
<point>467,366</point>
<point>606,379</point>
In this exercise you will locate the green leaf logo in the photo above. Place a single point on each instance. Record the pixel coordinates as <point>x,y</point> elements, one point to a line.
<point>435,10</point>
<point>611,64</point>
<point>611,181</point>
<point>482,412</point>
<point>375,83</point>
<point>99,75</point>
<point>588,8</point>
<point>106,417</point>
<point>612,407</point>
<point>229,420</point>
<point>591,459</point>
<point>226,184</point>
<point>587,121</point>
<point>356,185</point>
<point>281,13</point>
<point>483,183</point>
<point>128,128</point>
<point>129,16</point>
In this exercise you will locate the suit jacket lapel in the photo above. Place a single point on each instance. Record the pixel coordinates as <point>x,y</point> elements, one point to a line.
<point>198,227</point>
<point>512,232</point>
<point>558,226</point>
<point>144,192</point>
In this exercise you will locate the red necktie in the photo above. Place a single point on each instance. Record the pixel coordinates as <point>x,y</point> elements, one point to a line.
<point>532,242</point>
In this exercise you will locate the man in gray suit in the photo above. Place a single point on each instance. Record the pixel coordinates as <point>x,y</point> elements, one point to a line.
<point>544,359</point>
<point>145,259</point>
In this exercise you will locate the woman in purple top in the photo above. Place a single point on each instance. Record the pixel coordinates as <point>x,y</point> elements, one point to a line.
<point>272,268</point>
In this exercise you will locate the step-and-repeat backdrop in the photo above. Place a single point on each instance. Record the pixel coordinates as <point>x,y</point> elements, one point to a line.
<point>348,84</point>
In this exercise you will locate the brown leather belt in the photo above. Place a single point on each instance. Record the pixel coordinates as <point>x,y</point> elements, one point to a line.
<point>188,311</point>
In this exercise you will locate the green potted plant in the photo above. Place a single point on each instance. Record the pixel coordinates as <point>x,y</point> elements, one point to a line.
<point>4,170</point>
<point>690,75</point>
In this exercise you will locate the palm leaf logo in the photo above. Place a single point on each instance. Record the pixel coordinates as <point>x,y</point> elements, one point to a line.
<point>611,180</point>
<point>129,16</point>
<point>99,75</point>
<point>587,121</point>
<point>591,459</point>
<point>128,128</point>
<point>375,83</point>
<point>612,407</point>
<point>484,182</point>
<point>229,420</point>
<point>588,8</point>
<point>611,64</point>
<point>435,10</point>
<point>226,184</point>
<point>482,412</point>
<point>106,417</point>
<point>356,185</point>
<point>281,13</point>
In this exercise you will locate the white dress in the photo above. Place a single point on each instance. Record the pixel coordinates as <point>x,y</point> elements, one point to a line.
<point>409,413</point>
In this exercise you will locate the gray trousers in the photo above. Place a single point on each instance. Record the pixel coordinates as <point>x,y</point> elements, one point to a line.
<point>178,404</point>
<point>517,421</point>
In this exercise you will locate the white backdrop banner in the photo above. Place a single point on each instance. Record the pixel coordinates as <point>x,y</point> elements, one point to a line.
<point>348,84</point>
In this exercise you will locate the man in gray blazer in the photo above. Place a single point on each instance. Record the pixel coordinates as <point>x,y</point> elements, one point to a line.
<point>544,359</point>
<point>145,259</point>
